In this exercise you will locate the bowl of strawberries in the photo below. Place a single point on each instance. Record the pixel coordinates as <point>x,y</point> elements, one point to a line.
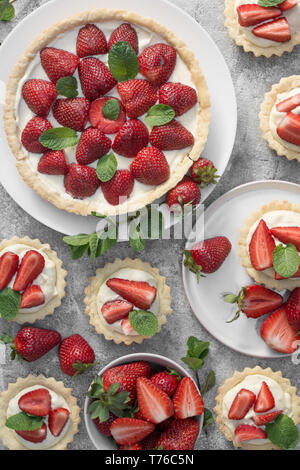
<point>143,402</point>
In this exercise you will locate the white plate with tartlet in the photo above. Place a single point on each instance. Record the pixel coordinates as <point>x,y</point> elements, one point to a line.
<point>226,217</point>
<point>222,129</point>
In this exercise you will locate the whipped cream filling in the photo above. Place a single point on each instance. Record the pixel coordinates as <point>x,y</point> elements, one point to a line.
<point>106,294</point>
<point>254,383</point>
<point>67,41</point>
<point>57,401</point>
<point>46,280</point>
<point>292,16</point>
<point>280,218</point>
<point>277,116</point>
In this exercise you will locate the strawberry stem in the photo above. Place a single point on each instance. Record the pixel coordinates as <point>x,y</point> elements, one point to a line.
<point>190,263</point>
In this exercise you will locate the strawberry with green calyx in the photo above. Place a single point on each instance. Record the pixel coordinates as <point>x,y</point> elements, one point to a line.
<point>203,172</point>
<point>76,355</point>
<point>167,381</point>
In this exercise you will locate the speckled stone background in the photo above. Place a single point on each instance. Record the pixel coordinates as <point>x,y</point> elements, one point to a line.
<point>251,160</point>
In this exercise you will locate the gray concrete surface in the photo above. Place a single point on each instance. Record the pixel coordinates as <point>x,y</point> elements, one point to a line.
<point>252,160</point>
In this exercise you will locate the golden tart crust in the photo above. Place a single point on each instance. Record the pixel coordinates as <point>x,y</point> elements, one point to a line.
<point>235,32</point>
<point>261,277</point>
<point>237,378</point>
<point>286,84</point>
<point>61,274</point>
<point>8,436</point>
<point>80,206</point>
<point>96,318</point>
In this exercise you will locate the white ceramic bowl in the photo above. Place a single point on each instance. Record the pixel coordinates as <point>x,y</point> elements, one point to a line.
<point>102,442</point>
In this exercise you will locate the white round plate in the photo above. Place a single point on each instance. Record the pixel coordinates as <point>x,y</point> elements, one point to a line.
<point>226,217</point>
<point>222,130</point>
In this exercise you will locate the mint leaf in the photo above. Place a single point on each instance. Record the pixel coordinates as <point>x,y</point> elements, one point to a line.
<point>209,383</point>
<point>269,3</point>
<point>286,260</point>
<point>24,422</point>
<point>111,109</point>
<point>67,86</point>
<point>159,115</point>
<point>143,322</point>
<point>123,61</point>
<point>93,245</point>
<point>59,138</point>
<point>136,238</point>
<point>152,223</point>
<point>197,352</point>
<point>194,363</point>
<point>106,167</point>
<point>208,418</point>
<point>105,245</point>
<point>283,432</point>
<point>10,302</point>
<point>78,251</point>
<point>77,240</point>
<point>7,11</point>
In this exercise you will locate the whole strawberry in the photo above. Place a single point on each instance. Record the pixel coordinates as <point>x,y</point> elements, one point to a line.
<point>167,381</point>
<point>95,77</point>
<point>58,63</point>
<point>75,355</point>
<point>185,192</point>
<point>172,136</point>
<point>293,309</point>
<point>203,172</point>
<point>181,434</point>
<point>138,96</point>
<point>72,112</point>
<point>90,41</point>
<point>150,166</point>
<point>131,138</point>
<point>180,97</point>
<point>39,96</point>
<point>53,162</point>
<point>92,145</point>
<point>81,181</point>
<point>104,427</point>
<point>125,32</point>
<point>157,63</point>
<point>32,132</point>
<point>119,188</point>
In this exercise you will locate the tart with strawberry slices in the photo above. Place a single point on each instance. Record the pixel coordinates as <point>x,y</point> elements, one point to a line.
<point>126,68</point>
<point>250,402</point>
<point>126,296</point>
<point>280,117</point>
<point>267,232</point>
<point>263,27</point>
<point>32,280</point>
<point>38,413</point>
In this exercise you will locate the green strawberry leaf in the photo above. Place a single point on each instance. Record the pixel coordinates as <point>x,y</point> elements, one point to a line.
<point>208,418</point>
<point>159,115</point>
<point>59,138</point>
<point>123,61</point>
<point>24,422</point>
<point>283,432</point>
<point>10,302</point>
<point>209,383</point>
<point>143,322</point>
<point>82,367</point>
<point>230,298</point>
<point>269,3</point>
<point>67,86</point>
<point>7,11</point>
<point>111,109</point>
<point>286,260</point>
<point>106,167</point>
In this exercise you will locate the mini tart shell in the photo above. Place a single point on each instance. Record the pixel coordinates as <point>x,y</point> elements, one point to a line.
<point>236,33</point>
<point>286,84</point>
<point>61,274</point>
<point>82,207</point>
<point>8,436</point>
<point>92,290</point>
<point>261,277</point>
<point>237,378</point>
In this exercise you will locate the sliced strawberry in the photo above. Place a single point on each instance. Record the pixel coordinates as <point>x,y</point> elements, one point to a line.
<point>81,181</point>
<point>58,63</point>
<point>39,96</point>
<point>139,293</point>
<point>127,327</point>
<point>287,235</point>
<point>172,136</point>
<point>280,278</point>
<point>150,166</point>
<point>180,97</point>
<point>242,403</point>
<point>278,333</point>
<point>33,296</point>
<point>72,112</point>
<point>97,118</point>
<point>289,104</point>
<point>95,77</point>
<point>115,310</point>
<point>126,431</point>
<point>34,436</point>
<point>125,32</point>
<point>58,418</point>
<point>293,309</point>
<point>252,14</point>
<point>261,420</point>
<point>138,96</point>
<point>53,162</point>
<point>154,404</point>
<point>92,145</point>
<point>32,132</point>
<point>131,138</point>
<point>288,4</point>
<point>261,247</point>
<point>277,30</point>
<point>255,301</point>
<point>31,267</point>
<point>90,41</point>
<point>245,432</point>
<point>187,400</point>
<point>36,403</point>
<point>265,400</point>
<point>117,190</point>
<point>9,263</point>
<point>157,63</point>
<point>289,128</point>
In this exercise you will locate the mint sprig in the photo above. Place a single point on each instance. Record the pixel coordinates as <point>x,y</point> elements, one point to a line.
<point>143,322</point>
<point>67,86</point>
<point>24,422</point>
<point>209,383</point>
<point>106,167</point>
<point>10,302</point>
<point>286,260</point>
<point>111,109</point>
<point>123,61</point>
<point>283,432</point>
<point>208,418</point>
<point>7,11</point>
<point>269,3</point>
<point>159,115</point>
<point>59,138</point>
<point>196,354</point>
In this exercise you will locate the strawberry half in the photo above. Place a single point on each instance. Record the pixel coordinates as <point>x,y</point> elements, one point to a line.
<point>261,247</point>
<point>72,112</point>
<point>187,400</point>
<point>139,293</point>
<point>36,403</point>
<point>32,343</point>
<point>75,350</point>
<point>261,420</point>
<point>34,436</point>
<point>185,192</point>
<point>31,267</point>
<point>242,403</point>
<point>289,104</point>
<point>125,32</point>
<point>288,4</point>
<point>157,63</point>
<point>245,432</point>
<point>93,144</point>
<point>9,263</point>
<point>33,296</point>
<point>126,431</point>
<point>90,41</point>
<point>277,30</point>
<point>293,309</point>
<point>58,418</point>
<point>181,434</point>
<point>97,118</point>
<point>81,181</point>
<point>39,96</point>
<point>265,400</point>
<point>131,138</point>
<point>32,132</point>
<point>117,190</point>
<point>95,77</point>
<point>154,404</point>
<point>289,128</point>
<point>251,14</point>
<point>287,235</point>
<point>138,96</point>
<point>126,327</point>
<point>172,136</point>
<point>278,334</point>
<point>115,310</point>
<point>180,97</point>
<point>150,166</point>
<point>53,162</point>
<point>58,63</point>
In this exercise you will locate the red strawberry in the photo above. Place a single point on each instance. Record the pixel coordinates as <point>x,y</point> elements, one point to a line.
<point>136,446</point>
<point>185,192</point>
<point>277,30</point>
<point>97,118</point>
<point>167,381</point>
<point>287,235</point>
<point>293,309</point>
<point>39,96</point>
<point>154,404</point>
<point>118,189</point>
<point>126,327</point>
<point>75,350</point>
<point>265,400</point>
<point>93,144</point>
<point>280,278</point>
<point>31,267</point>
<point>288,4</point>
<point>58,418</point>
<point>72,112</point>
<point>32,132</point>
<point>9,263</point>
<point>34,436</point>
<point>104,428</point>
<point>138,96</point>
<point>36,403</point>
<point>90,41</point>
<point>81,181</point>
<point>125,32</point>
<point>126,431</point>
<point>131,138</point>
<point>172,136</point>
<point>115,310</point>
<point>58,63</point>
<point>157,63</point>
<point>180,97</point>
<point>53,162</point>
<point>278,333</point>
<point>150,443</point>
<point>245,432</point>
<point>289,104</point>
<point>203,172</point>
<point>150,166</point>
<point>250,15</point>
<point>289,128</point>
<point>33,296</point>
<point>187,400</point>
<point>242,403</point>
<point>261,420</point>
<point>261,247</point>
<point>139,293</point>
<point>95,77</point>
<point>181,434</point>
